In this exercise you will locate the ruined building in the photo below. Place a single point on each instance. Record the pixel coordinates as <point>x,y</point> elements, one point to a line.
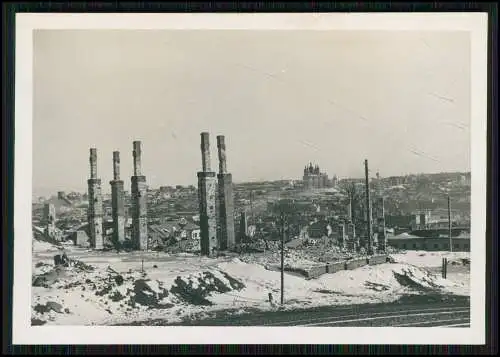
<point>206,195</point>
<point>95,210</point>
<point>380,224</point>
<point>342,237</point>
<point>61,195</point>
<point>314,179</point>
<point>49,219</point>
<point>117,201</point>
<point>352,241</point>
<point>243,227</point>
<point>335,181</point>
<point>139,202</point>
<point>226,237</point>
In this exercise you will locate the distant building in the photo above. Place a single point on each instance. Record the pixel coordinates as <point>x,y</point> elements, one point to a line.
<point>395,180</point>
<point>410,241</point>
<point>314,179</point>
<point>74,196</point>
<point>419,220</point>
<point>164,234</point>
<point>49,218</point>
<point>80,238</point>
<point>318,229</point>
<point>464,180</point>
<point>438,223</point>
<point>158,236</point>
<point>61,195</point>
<point>335,181</point>
<point>60,202</point>
<point>108,211</point>
<point>399,220</point>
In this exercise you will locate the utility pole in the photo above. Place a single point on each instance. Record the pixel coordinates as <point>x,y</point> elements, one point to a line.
<point>382,224</point>
<point>349,214</point>
<point>368,209</point>
<point>282,258</point>
<point>251,206</point>
<point>449,224</point>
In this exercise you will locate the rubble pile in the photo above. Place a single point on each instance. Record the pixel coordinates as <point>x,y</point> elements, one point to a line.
<point>120,293</point>
<point>81,265</point>
<point>325,253</point>
<point>460,261</point>
<point>258,246</point>
<point>417,280</point>
<point>196,288</point>
<point>319,250</point>
<point>272,260</point>
<point>42,267</point>
<point>83,295</point>
<point>392,250</point>
<point>49,278</point>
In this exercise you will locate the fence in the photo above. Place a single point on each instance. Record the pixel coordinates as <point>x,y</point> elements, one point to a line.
<point>331,268</point>
<point>378,259</point>
<point>335,267</point>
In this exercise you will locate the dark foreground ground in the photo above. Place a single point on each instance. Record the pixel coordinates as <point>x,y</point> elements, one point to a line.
<point>409,311</point>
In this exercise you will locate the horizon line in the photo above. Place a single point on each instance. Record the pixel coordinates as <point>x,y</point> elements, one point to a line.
<point>275,180</point>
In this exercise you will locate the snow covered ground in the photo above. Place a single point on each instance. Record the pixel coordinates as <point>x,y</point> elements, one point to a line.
<point>41,246</point>
<point>458,270</point>
<point>429,259</point>
<point>111,288</point>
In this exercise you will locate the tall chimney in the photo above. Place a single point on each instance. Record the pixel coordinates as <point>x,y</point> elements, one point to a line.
<point>137,158</point>
<point>207,191</point>
<point>116,165</point>
<point>139,202</point>
<point>221,146</point>
<point>227,236</point>
<point>117,202</point>
<point>95,209</point>
<point>93,163</point>
<point>205,152</point>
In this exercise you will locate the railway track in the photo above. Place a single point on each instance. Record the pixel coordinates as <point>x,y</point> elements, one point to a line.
<point>412,312</point>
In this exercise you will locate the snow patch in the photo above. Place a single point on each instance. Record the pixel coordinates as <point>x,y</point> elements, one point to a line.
<point>180,287</point>
<point>429,259</point>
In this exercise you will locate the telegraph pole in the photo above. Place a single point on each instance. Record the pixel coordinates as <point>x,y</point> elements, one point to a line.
<point>349,214</point>
<point>251,206</point>
<point>382,218</point>
<point>282,258</point>
<point>368,209</point>
<point>449,224</point>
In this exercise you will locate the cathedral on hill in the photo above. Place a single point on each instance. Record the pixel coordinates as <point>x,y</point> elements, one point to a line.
<point>313,178</point>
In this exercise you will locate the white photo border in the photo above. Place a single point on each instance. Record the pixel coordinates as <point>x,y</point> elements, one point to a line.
<point>23,333</point>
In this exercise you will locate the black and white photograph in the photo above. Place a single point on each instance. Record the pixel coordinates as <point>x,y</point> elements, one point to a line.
<point>313,170</point>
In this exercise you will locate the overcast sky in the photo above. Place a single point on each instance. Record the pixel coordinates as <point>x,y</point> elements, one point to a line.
<point>281,98</point>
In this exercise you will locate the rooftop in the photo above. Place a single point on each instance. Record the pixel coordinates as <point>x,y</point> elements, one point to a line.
<point>403,236</point>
